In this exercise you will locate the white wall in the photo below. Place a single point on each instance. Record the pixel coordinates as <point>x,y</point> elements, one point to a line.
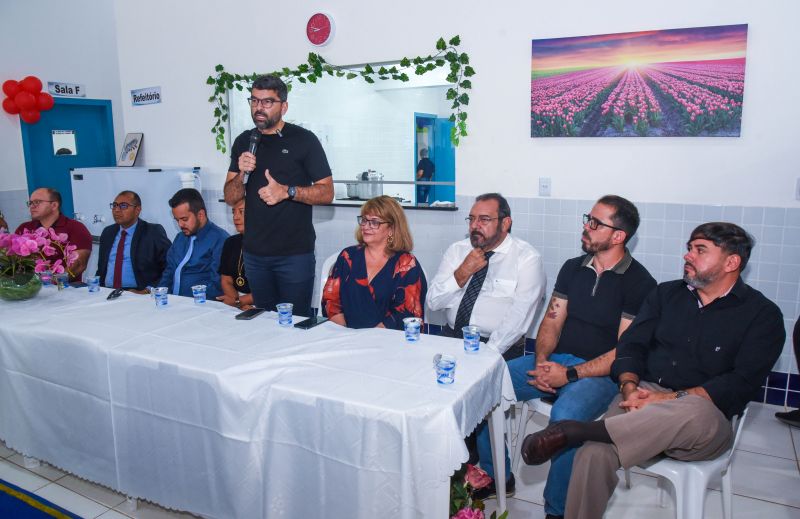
<point>73,42</point>
<point>183,45</point>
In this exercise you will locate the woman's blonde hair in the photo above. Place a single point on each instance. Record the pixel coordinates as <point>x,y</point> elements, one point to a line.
<point>387,209</point>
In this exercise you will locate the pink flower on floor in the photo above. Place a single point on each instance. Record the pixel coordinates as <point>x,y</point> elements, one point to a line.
<point>476,477</point>
<point>469,513</point>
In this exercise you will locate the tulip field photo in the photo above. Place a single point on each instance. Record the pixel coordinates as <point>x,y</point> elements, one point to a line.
<point>665,83</point>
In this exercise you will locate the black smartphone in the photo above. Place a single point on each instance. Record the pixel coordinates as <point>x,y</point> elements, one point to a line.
<point>310,322</point>
<point>115,294</point>
<point>249,314</point>
<point>77,284</point>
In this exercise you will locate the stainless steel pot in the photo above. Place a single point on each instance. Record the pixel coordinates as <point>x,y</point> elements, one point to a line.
<point>352,190</point>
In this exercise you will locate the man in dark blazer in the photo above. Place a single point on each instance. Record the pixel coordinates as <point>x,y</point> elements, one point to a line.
<point>132,251</point>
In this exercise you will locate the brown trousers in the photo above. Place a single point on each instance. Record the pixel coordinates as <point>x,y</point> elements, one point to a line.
<point>690,428</point>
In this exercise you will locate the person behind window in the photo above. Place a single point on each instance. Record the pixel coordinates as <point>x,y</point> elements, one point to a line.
<point>378,282</point>
<point>235,288</point>
<point>425,170</point>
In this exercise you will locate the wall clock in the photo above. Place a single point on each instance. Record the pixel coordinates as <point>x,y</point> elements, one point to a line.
<point>319,29</point>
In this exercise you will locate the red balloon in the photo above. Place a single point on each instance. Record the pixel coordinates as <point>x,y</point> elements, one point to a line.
<point>25,100</point>
<point>10,106</point>
<point>45,101</point>
<point>31,84</point>
<point>30,116</point>
<point>11,87</point>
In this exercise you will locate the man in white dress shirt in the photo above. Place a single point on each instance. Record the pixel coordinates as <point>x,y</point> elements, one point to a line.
<point>493,281</point>
<point>513,284</point>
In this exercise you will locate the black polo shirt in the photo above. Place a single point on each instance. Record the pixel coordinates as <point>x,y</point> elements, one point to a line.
<point>294,158</point>
<point>596,303</point>
<point>728,347</point>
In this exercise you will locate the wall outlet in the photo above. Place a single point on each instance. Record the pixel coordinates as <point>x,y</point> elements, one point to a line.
<point>544,186</point>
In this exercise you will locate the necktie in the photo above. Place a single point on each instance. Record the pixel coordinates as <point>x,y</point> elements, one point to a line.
<point>118,260</point>
<point>470,296</point>
<point>176,286</point>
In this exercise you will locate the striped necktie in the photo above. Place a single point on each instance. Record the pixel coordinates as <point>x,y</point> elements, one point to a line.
<point>470,296</point>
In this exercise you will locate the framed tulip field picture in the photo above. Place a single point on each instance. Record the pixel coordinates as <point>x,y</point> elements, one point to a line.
<point>665,83</point>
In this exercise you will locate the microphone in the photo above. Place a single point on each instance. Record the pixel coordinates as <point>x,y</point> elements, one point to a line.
<point>255,138</point>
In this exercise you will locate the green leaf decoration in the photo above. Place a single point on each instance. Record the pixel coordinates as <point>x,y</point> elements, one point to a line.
<point>447,55</point>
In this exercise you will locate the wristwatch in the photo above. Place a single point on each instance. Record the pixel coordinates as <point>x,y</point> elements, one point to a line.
<point>572,374</point>
<point>291,192</point>
<point>681,393</point>
<point>237,303</point>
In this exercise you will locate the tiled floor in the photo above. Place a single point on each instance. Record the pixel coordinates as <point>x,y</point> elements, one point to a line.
<point>766,478</point>
<point>766,482</point>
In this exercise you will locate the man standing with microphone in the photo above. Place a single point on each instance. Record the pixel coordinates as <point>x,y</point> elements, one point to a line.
<point>281,170</point>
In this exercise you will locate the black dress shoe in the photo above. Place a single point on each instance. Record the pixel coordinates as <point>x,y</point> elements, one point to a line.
<point>490,491</point>
<point>543,445</point>
<point>790,417</point>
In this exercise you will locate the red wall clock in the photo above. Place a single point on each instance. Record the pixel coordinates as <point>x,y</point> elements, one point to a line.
<point>319,29</point>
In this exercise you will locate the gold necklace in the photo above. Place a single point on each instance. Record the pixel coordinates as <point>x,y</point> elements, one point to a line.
<point>240,281</point>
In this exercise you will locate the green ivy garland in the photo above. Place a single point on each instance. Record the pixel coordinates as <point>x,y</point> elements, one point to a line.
<point>447,55</point>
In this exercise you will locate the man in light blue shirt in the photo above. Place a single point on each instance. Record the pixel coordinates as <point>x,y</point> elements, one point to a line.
<point>194,256</point>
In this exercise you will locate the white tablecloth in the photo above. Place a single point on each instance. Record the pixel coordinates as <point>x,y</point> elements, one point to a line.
<point>187,407</point>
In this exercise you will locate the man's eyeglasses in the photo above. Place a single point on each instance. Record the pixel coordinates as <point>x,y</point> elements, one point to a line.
<point>594,223</point>
<point>35,203</point>
<point>267,102</point>
<point>372,224</point>
<point>121,205</point>
<point>483,220</point>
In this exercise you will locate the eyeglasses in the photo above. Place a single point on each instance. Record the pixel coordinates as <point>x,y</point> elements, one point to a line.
<point>121,205</point>
<point>483,220</point>
<point>267,102</point>
<point>594,223</point>
<point>372,224</point>
<point>35,203</point>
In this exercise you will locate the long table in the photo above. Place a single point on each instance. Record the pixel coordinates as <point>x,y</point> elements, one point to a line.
<point>196,411</point>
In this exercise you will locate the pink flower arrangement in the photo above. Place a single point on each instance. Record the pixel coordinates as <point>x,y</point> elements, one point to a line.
<point>462,504</point>
<point>34,252</point>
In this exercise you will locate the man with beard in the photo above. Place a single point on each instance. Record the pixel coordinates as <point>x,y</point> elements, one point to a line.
<point>698,351</point>
<point>595,298</point>
<point>132,250</point>
<point>491,280</point>
<point>193,258</point>
<point>289,174</point>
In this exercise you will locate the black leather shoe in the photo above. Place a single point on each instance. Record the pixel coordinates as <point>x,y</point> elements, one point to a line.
<point>790,417</point>
<point>490,492</point>
<point>543,445</point>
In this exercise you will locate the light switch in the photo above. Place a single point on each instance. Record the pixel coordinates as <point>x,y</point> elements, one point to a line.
<point>544,186</point>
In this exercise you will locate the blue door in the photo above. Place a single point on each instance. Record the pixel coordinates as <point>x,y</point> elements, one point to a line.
<point>445,159</point>
<point>47,164</point>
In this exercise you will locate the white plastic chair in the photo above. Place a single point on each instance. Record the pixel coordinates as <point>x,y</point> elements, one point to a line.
<point>324,272</point>
<point>691,478</point>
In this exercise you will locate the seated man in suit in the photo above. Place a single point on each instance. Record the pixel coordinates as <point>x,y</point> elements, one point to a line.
<point>193,258</point>
<point>132,251</point>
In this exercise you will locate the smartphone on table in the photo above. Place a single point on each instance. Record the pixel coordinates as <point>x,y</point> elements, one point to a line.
<point>249,314</point>
<point>311,322</point>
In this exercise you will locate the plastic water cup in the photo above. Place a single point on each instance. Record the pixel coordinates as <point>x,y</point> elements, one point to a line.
<point>61,280</point>
<point>412,327</point>
<point>446,370</point>
<point>93,282</point>
<point>46,277</point>
<point>199,294</point>
<point>285,314</point>
<point>160,295</point>
<point>472,339</point>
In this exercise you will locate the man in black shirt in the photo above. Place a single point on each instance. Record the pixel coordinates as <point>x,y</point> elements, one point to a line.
<point>697,351</point>
<point>425,169</point>
<point>290,173</point>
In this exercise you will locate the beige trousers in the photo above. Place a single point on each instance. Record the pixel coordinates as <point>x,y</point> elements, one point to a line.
<point>690,428</point>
